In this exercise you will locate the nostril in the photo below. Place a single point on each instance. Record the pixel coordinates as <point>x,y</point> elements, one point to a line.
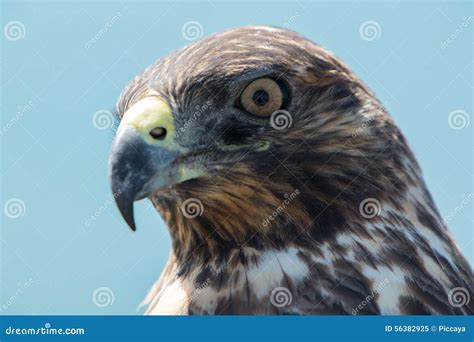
<point>158,133</point>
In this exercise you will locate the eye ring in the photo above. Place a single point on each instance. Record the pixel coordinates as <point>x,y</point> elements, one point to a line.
<point>263,96</point>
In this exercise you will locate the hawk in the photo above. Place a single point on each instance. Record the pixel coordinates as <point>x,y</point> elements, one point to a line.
<point>286,186</point>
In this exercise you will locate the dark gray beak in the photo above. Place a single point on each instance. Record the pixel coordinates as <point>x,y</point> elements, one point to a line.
<point>137,169</point>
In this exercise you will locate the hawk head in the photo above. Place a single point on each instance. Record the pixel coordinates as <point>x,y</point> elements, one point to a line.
<point>255,136</point>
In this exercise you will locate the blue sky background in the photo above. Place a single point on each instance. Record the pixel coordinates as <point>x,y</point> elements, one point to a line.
<point>63,62</point>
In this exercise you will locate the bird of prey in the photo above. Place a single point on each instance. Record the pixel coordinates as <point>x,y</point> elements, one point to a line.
<point>286,186</point>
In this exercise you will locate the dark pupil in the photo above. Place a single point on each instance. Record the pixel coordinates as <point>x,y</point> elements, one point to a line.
<point>260,97</point>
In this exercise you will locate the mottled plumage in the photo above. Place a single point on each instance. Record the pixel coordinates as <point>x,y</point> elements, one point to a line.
<point>321,250</point>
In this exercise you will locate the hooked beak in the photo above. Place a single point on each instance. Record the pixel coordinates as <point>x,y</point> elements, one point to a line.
<point>137,170</point>
<point>139,164</point>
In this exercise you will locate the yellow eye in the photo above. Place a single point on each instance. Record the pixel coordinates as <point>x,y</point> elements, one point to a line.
<point>262,97</point>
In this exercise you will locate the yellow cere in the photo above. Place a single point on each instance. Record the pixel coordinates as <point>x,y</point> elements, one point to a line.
<point>147,114</point>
